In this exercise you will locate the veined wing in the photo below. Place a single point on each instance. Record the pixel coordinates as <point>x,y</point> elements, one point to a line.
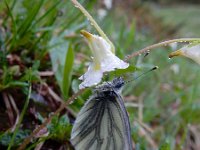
<point>102,124</point>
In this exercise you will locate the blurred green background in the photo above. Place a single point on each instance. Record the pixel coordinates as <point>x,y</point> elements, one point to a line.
<point>40,45</point>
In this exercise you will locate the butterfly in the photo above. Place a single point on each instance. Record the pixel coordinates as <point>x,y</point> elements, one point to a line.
<point>103,122</point>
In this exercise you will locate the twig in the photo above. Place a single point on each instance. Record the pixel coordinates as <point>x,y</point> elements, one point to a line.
<point>39,146</point>
<point>52,93</point>
<point>143,132</point>
<point>8,107</point>
<point>59,99</point>
<point>140,108</point>
<point>131,104</point>
<point>165,43</point>
<point>145,126</point>
<point>12,101</point>
<point>46,73</point>
<point>62,106</point>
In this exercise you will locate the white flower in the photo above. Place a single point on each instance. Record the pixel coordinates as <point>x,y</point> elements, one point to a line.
<point>101,13</point>
<point>190,51</point>
<point>104,60</point>
<point>108,4</point>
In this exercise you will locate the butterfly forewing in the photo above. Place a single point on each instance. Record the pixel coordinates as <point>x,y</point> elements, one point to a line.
<point>102,124</point>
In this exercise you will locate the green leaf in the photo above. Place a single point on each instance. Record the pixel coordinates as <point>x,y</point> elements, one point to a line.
<point>120,72</point>
<point>60,128</point>
<point>130,35</point>
<point>17,83</point>
<point>58,54</point>
<point>165,146</point>
<point>62,58</point>
<point>67,74</point>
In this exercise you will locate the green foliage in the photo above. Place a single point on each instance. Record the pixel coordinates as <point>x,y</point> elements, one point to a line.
<point>5,138</point>
<point>59,128</point>
<point>178,16</point>
<point>165,146</point>
<point>62,58</point>
<point>67,74</point>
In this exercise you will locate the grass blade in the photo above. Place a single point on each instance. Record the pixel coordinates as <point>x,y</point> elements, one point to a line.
<point>30,18</point>
<point>68,67</point>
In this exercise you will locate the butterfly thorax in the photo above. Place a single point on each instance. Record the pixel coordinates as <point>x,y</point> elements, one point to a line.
<point>109,88</point>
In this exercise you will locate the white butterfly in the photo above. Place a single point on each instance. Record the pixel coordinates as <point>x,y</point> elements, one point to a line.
<point>103,123</point>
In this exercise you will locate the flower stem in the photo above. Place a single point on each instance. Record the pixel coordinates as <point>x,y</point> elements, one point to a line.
<point>93,22</point>
<point>165,43</point>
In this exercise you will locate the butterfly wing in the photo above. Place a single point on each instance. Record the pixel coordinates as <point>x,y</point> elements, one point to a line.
<point>102,124</point>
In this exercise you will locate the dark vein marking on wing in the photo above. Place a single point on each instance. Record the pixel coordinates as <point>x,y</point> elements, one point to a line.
<point>93,120</point>
<point>87,127</point>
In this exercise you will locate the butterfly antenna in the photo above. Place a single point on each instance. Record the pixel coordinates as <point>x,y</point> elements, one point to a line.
<point>152,69</point>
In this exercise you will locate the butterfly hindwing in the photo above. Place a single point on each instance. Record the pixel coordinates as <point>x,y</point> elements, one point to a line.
<point>102,124</point>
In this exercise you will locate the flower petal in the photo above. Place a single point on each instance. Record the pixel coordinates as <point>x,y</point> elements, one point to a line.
<point>112,62</point>
<point>190,51</point>
<point>91,77</point>
<point>104,60</point>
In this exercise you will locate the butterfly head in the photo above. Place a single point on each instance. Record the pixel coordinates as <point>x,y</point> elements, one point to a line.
<point>115,85</point>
